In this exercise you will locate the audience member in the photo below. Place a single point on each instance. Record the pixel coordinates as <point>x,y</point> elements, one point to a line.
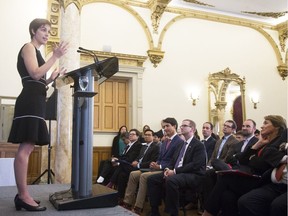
<point>248,129</point>
<point>270,199</point>
<point>118,144</point>
<point>149,152</point>
<point>219,154</point>
<point>157,137</point>
<point>131,151</point>
<point>208,140</point>
<point>239,135</point>
<point>184,171</point>
<point>196,134</point>
<point>231,186</point>
<point>167,149</point>
<point>141,137</point>
<point>257,133</point>
<point>215,136</point>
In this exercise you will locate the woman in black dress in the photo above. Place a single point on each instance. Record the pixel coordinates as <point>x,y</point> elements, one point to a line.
<point>29,126</point>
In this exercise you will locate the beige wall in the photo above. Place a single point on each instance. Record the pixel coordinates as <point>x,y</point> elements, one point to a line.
<point>193,49</point>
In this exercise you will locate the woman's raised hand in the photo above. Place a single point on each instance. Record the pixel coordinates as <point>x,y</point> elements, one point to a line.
<point>60,49</point>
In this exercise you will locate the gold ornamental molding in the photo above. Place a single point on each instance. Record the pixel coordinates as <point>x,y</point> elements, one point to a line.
<point>124,59</point>
<point>199,3</point>
<point>155,56</point>
<point>53,15</point>
<point>157,8</point>
<point>282,29</point>
<point>267,14</point>
<point>154,52</point>
<point>283,70</point>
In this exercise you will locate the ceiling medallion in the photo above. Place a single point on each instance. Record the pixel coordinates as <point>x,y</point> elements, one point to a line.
<point>198,2</point>
<point>267,14</point>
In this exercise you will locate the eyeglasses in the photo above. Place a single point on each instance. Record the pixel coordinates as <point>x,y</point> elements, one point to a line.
<point>185,126</point>
<point>228,126</point>
<point>131,134</point>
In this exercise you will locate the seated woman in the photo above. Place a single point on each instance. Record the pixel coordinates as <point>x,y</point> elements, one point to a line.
<point>231,186</point>
<point>270,199</point>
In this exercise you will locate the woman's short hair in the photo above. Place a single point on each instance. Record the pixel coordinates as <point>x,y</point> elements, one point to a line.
<point>36,24</point>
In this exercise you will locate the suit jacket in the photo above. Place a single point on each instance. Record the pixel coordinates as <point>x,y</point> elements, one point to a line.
<point>209,145</point>
<point>132,153</point>
<point>166,155</point>
<point>228,144</point>
<point>194,158</point>
<point>236,149</point>
<point>263,159</point>
<point>150,155</point>
<point>232,157</point>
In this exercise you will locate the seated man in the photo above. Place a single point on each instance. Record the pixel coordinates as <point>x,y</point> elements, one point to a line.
<point>167,149</point>
<point>184,171</point>
<point>132,150</point>
<point>149,152</point>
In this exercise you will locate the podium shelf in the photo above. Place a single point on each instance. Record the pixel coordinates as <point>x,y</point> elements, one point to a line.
<point>84,94</point>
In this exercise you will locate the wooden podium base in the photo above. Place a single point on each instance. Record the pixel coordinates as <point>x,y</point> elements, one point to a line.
<point>101,197</point>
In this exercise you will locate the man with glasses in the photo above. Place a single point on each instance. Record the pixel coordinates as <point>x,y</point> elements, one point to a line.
<point>220,152</point>
<point>184,171</point>
<point>149,152</point>
<point>130,153</point>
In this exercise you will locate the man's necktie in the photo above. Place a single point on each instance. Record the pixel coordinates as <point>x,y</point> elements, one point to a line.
<point>181,155</point>
<point>168,143</point>
<point>126,149</point>
<point>144,152</point>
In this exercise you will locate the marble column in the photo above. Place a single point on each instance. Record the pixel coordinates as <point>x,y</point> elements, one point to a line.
<point>70,32</point>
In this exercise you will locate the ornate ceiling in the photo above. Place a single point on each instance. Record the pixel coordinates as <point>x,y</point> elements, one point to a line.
<point>270,12</point>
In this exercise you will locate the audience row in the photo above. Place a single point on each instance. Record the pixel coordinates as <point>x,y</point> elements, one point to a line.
<point>235,175</point>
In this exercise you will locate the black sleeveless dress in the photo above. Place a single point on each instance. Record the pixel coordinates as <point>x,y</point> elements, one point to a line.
<point>29,116</point>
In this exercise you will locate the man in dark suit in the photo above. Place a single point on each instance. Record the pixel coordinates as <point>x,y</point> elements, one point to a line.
<point>248,129</point>
<point>130,153</point>
<point>184,171</point>
<point>149,152</point>
<point>208,140</point>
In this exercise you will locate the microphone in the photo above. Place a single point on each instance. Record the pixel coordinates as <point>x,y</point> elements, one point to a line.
<point>96,61</point>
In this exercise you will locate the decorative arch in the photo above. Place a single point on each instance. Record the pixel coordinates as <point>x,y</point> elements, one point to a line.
<point>55,6</point>
<point>223,20</point>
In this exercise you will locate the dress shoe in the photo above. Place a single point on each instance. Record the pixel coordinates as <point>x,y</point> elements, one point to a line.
<point>37,201</point>
<point>19,204</point>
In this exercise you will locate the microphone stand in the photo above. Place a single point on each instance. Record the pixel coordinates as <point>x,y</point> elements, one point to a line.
<point>49,171</point>
<point>96,61</point>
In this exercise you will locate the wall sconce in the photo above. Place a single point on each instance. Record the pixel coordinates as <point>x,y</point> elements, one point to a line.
<point>194,96</point>
<point>255,100</point>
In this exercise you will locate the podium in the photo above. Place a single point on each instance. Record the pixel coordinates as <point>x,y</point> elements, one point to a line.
<point>82,193</point>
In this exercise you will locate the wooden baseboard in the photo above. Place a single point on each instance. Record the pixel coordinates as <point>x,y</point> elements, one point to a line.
<point>9,150</point>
